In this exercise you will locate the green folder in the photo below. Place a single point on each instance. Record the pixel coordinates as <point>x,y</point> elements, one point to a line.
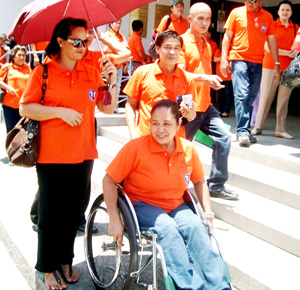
<point>204,139</point>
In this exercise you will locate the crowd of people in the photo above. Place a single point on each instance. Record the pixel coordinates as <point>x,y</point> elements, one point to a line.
<point>254,53</point>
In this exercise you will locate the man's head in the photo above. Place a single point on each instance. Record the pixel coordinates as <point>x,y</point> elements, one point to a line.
<point>199,18</point>
<point>168,46</point>
<point>137,26</point>
<point>253,5</point>
<point>177,8</point>
<point>3,38</point>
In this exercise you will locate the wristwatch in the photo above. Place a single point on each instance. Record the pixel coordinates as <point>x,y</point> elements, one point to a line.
<point>277,63</point>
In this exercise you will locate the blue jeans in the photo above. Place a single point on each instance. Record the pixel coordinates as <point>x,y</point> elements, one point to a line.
<point>190,258</point>
<point>211,124</point>
<point>246,78</point>
<point>11,117</point>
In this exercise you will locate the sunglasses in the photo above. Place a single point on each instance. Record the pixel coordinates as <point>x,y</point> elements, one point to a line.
<point>251,1</point>
<point>77,42</point>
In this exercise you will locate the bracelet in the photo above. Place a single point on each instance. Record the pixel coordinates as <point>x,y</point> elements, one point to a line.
<point>110,86</point>
<point>277,63</point>
<point>209,215</point>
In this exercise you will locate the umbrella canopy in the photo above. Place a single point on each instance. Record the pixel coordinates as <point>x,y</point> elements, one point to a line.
<point>37,20</point>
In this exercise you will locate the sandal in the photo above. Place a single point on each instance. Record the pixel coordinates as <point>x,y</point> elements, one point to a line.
<point>58,280</point>
<point>283,135</point>
<point>256,131</point>
<point>70,275</point>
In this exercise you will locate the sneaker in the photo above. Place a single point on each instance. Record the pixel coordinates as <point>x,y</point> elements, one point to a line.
<point>243,140</point>
<point>224,194</point>
<point>252,139</point>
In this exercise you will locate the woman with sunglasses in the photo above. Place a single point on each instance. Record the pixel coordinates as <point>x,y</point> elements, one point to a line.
<point>156,170</point>
<point>285,31</point>
<point>68,145</point>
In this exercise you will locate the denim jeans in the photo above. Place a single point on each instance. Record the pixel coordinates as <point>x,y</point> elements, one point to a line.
<point>211,124</point>
<point>246,77</point>
<point>190,259</point>
<point>11,117</point>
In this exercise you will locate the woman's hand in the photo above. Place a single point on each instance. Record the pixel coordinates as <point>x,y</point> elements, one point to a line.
<point>70,116</point>
<point>110,71</point>
<point>12,91</point>
<point>187,111</point>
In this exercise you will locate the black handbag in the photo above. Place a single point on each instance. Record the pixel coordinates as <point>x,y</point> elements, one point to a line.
<point>23,141</point>
<point>291,76</point>
<point>3,91</point>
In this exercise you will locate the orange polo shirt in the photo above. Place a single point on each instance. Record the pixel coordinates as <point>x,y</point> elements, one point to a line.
<point>41,45</point>
<point>77,90</point>
<point>2,52</point>
<point>150,84</point>
<point>213,46</point>
<point>151,175</point>
<point>218,53</point>
<point>135,44</point>
<point>17,78</point>
<point>248,37</point>
<point>180,26</point>
<point>197,59</point>
<point>285,38</point>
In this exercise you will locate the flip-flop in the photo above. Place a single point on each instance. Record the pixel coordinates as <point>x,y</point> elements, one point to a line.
<point>283,135</point>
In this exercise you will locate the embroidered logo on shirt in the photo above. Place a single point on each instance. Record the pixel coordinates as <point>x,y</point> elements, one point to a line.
<point>92,95</point>
<point>263,28</point>
<point>187,178</point>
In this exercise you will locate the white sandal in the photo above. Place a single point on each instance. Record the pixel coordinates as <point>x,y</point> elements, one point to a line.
<point>283,135</point>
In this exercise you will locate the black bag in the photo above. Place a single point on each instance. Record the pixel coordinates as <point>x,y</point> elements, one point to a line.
<point>23,141</point>
<point>152,49</point>
<point>291,76</point>
<point>2,91</point>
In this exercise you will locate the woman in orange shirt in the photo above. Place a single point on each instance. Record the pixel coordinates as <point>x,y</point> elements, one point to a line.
<point>67,144</point>
<point>285,32</point>
<point>156,170</point>
<point>17,73</point>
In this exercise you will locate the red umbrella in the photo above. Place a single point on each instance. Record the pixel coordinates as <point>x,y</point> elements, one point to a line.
<point>37,20</point>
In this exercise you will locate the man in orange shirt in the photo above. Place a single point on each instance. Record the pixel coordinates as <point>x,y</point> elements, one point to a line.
<point>160,80</point>
<point>195,58</point>
<point>136,45</point>
<point>247,29</point>
<point>178,23</point>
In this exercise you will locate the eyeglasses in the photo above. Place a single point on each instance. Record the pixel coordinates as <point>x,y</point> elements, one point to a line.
<point>77,42</point>
<point>251,1</point>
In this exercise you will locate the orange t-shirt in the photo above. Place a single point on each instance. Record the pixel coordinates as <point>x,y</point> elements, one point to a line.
<point>40,46</point>
<point>151,175</point>
<point>197,59</point>
<point>77,90</point>
<point>180,26</point>
<point>2,52</point>
<point>17,78</point>
<point>285,38</point>
<point>213,46</point>
<point>149,84</point>
<point>249,33</point>
<point>135,44</point>
<point>218,53</point>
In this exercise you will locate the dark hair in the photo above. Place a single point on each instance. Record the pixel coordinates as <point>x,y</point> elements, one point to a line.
<point>169,105</point>
<point>15,50</point>
<point>63,29</point>
<point>285,2</point>
<point>137,25</point>
<point>167,34</point>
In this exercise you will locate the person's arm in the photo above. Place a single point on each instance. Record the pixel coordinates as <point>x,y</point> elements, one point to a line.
<point>284,52</point>
<point>142,54</point>
<point>274,52</point>
<point>203,195</point>
<point>110,193</point>
<point>130,107</point>
<point>8,88</point>
<point>298,38</point>
<point>226,44</point>
<point>110,74</point>
<point>36,60</point>
<point>120,51</point>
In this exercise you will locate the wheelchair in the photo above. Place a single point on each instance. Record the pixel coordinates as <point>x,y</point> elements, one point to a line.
<point>111,268</point>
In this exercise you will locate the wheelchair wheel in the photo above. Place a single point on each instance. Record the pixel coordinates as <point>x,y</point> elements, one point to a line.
<point>107,265</point>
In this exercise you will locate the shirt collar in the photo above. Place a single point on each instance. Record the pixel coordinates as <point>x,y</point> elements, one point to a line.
<point>158,71</point>
<point>279,23</point>
<point>191,37</point>
<point>155,147</point>
<point>57,69</point>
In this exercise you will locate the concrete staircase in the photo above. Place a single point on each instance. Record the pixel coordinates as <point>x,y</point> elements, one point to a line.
<point>260,233</point>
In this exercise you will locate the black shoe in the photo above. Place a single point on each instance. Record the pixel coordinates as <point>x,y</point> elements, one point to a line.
<point>252,139</point>
<point>82,229</point>
<point>224,194</point>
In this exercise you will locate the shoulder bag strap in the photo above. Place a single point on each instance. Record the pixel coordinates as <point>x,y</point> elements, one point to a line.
<point>168,22</point>
<point>45,80</point>
<point>6,78</point>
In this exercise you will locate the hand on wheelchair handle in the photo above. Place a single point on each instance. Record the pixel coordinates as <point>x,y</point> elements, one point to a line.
<point>115,229</point>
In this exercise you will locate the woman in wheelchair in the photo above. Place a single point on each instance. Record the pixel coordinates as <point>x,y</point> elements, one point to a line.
<point>156,170</point>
